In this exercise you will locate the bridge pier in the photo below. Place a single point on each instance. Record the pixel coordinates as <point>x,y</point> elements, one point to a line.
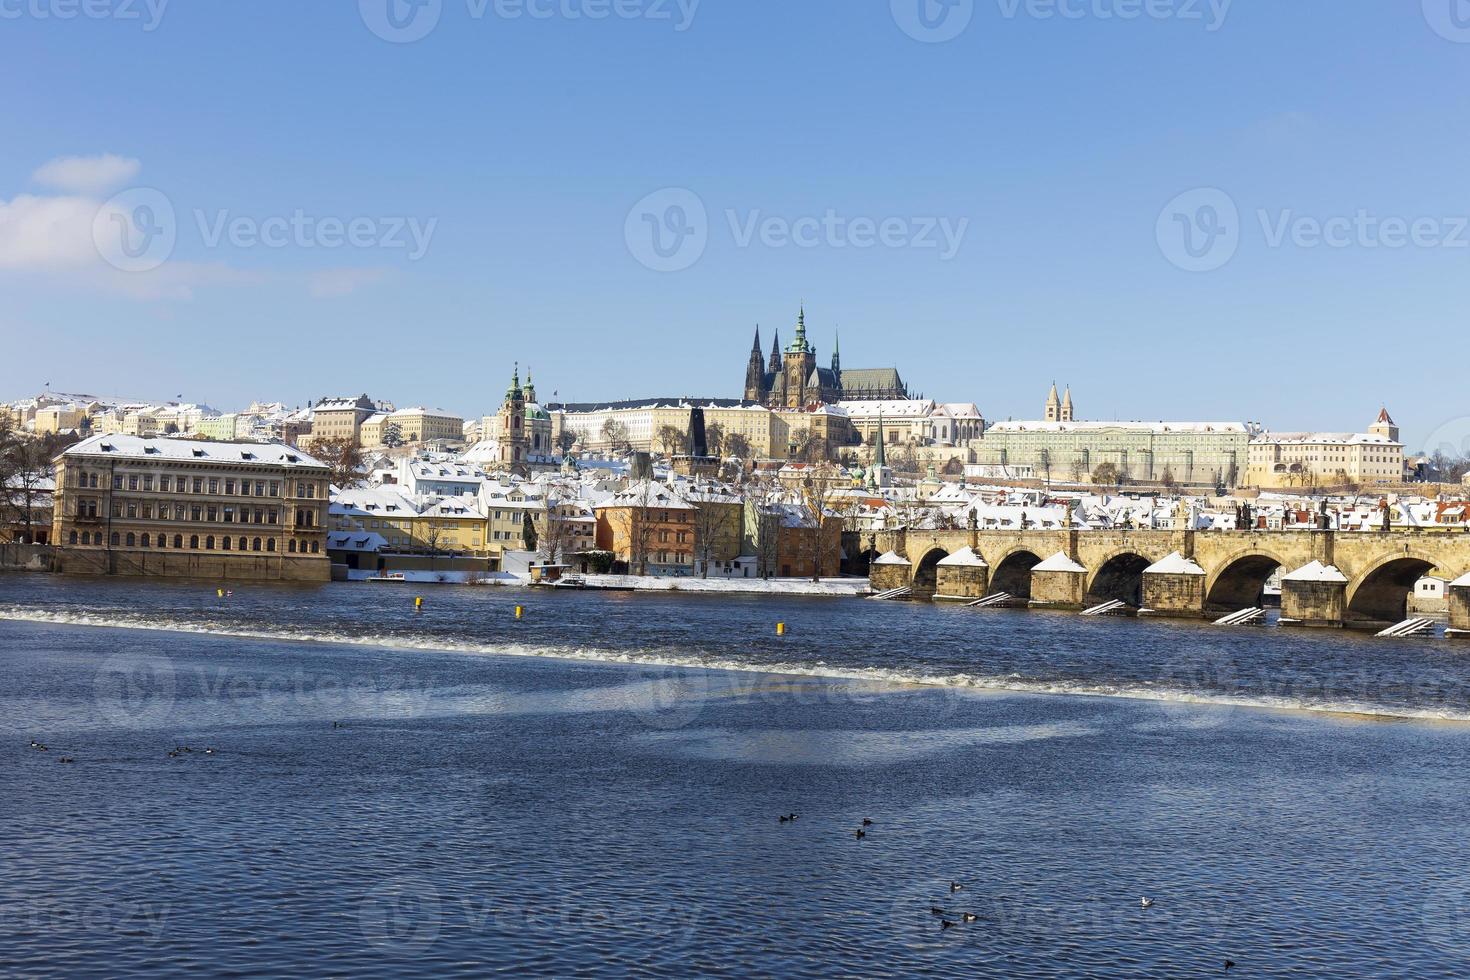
<point>963,575</point>
<point>1058,583</point>
<point>892,571</point>
<point>1314,595</point>
<point>1458,594</point>
<point>1174,587</point>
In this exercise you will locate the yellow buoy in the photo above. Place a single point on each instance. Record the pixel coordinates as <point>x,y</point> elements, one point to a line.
<point>220,593</point>
<point>520,612</point>
<point>418,602</point>
<point>780,629</point>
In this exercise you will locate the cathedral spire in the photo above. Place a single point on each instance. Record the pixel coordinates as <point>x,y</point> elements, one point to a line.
<point>775,366</point>
<point>799,345</point>
<point>756,347</point>
<point>837,357</point>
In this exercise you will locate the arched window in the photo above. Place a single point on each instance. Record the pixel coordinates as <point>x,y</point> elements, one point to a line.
<point>209,543</point>
<point>270,544</point>
<point>163,540</point>
<point>225,542</point>
<point>315,547</point>
<point>132,539</point>
<point>242,544</point>
<point>178,540</point>
<point>194,541</point>
<point>255,545</point>
<point>147,540</point>
<point>73,538</point>
<point>292,546</point>
<point>115,539</point>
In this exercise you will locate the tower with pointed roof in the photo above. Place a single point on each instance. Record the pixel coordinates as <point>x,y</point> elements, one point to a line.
<point>755,372</point>
<point>513,449</point>
<point>1385,426</point>
<point>1053,405</point>
<point>1067,405</point>
<point>837,357</point>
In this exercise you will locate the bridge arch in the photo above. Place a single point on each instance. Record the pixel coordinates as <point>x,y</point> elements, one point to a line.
<point>1120,577</point>
<point>1012,574</point>
<point>1381,593</point>
<point>926,572</point>
<point>1238,581</point>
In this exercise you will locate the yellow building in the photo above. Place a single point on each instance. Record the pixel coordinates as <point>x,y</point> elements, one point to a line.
<point>58,418</point>
<point>178,507</point>
<point>338,420</point>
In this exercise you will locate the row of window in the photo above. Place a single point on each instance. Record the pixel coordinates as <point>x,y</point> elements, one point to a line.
<point>216,513</point>
<point>146,540</point>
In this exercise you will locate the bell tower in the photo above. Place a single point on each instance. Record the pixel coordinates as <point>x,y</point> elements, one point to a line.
<point>514,441</point>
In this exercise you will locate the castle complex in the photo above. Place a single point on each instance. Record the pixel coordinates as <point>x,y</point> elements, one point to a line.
<point>792,379</point>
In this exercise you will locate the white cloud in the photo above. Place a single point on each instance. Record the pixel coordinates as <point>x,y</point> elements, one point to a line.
<point>87,175</point>
<point>47,233</point>
<point>331,283</point>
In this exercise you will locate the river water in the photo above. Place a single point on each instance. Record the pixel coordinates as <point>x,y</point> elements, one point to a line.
<point>594,789</point>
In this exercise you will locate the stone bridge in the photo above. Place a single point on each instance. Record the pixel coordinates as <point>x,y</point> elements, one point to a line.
<point>1356,579</point>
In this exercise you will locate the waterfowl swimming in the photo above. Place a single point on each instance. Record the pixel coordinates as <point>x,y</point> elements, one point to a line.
<point>859,834</point>
<point>66,758</point>
<point>209,751</point>
<point>1229,964</point>
<point>936,910</point>
<point>955,886</point>
<point>945,924</point>
<point>867,822</point>
<point>784,819</point>
<point>971,917</point>
<point>1147,903</point>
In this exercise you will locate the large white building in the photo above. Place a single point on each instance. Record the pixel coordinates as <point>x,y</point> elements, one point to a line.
<point>1320,459</point>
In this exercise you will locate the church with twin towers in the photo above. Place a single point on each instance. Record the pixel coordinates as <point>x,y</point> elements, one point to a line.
<point>793,380</point>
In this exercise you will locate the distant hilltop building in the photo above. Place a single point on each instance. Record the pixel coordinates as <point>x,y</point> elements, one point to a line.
<point>1328,459</point>
<point>1059,410</point>
<point>793,380</point>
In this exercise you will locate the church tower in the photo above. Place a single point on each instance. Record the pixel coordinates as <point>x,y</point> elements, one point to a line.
<point>1067,405</point>
<point>837,359</point>
<point>775,365</point>
<point>1053,405</point>
<point>755,372</point>
<point>530,387</point>
<point>513,438</point>
<point>801,361</point>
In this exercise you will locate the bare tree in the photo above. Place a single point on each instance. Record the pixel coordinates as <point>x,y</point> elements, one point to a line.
<point>714,439</point>
<point>615,434</point>
<point>432,538</point>
<point>25,477</point>
<point>737,445</point>
<point>565,440</point>
<point>716,523</point>
<point>1107,475</point>
<point>817,488</point>
<point>763,527</point>
<point>556,532</point>
<point>671,438</point>
<point>343,457</point>
<point>631,517</point>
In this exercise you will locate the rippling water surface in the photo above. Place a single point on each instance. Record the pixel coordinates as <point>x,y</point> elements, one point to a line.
<point>456,793</point>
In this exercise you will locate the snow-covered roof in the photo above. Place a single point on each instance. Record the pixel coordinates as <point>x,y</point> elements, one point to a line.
<point>1174,564</point>
<point>892,558</point>
<point>119,446</point>
<point>1315,571</point>
<point>896,410</point>
<point>964,558</point>
<point>1322,438</point>
<point>1058,562</point>
<point>1462,581</point>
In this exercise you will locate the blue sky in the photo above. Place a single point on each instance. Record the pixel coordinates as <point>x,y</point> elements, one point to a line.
<point>1051,148</point>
